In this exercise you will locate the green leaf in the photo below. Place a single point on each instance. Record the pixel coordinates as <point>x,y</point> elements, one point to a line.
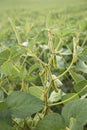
<point>16,52</point>
<point>67,31</point>
<point>5,115</point>
<point>36,91</point>
<point>60,62</point>
<point>75,114</point>
<point>81,66</point>
<point>1,95</point>
<point>34,67</point>
<point>74,124</point>
<point>23,73</point>
<point>9,69</point>
<point>83,55</point>
<point>4,126</point>
<point>4,55</point>
<point>51,122</point>
<point>76,77</point>
<point>23,104</point>
<point>64,51</point>
<point>80,85</point>
<point>56,96</point>
<point>2,105</point>
<point>69,95</point>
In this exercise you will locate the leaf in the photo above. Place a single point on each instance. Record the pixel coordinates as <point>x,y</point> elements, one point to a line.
<point>56,96</point>
<point>83,55</point>
<point>37,91</point>
<point>73,124</point>
<point>16,52</point>
<point>60,62</point>
<point>67,31</point>
<point>1,95</point>
<point>75,112</point>
<point>23,73</point>
<point>64,51</point>
<point>4,55</point>
<point>2,105</point>
<point>77,77</point>
<point>5,116</point>
<point>80,85</point>
<point>69,95</point>
<point>9,69</point>
<point>81,66</point>
<point>51,122</point>
<point>23,104</point>
<point>34,67</point>
<point>4,126</point>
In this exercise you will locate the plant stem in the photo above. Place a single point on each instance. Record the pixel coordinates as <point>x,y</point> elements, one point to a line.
<point>58,103</point>
<point>13,27</point>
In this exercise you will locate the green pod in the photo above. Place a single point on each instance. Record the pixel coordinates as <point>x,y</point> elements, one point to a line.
<point>56,81</point>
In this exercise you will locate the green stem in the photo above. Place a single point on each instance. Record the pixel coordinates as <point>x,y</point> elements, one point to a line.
<point>55,104</point>
<point>59,44</point>
<point>13,27</point>
<point>61,75</point>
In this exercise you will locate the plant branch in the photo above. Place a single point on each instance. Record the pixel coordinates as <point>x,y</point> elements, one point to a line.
<point>58,103</point>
